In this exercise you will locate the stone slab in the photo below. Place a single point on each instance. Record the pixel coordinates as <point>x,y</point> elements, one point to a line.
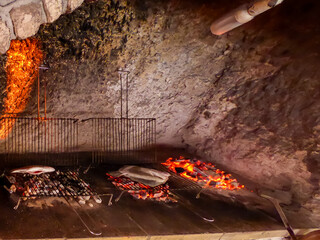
<point>53,9</point>
<point>4,37</point>
<point>263,235</point>
<point>27,19</point>
<point>73,4</point>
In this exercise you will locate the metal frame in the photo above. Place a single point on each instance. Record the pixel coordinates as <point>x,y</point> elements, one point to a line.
<point>123,140</point>
<point>54,141</point>
<point>49,141</point>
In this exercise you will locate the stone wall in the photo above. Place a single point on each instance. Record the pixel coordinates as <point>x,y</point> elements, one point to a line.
<point>22,18</point>
<point>247,100</point>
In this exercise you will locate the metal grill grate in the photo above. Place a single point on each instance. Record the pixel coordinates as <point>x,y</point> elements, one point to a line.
<point>123,139</point>
<point>57,184</point>
<point>35,141</point>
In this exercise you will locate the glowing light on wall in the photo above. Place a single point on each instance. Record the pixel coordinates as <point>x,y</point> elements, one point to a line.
<point>22,69</point>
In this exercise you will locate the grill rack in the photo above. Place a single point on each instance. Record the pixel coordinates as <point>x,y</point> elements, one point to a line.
<point>123,139</point>
<point>175,183</point>
<point>59,184</point>
<point>56,141</point>
<point>40,141</point>
<point>54,185</point>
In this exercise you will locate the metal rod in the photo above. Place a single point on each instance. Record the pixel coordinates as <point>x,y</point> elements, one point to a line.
<point>77,141</point>
<point>127,96</point>
<point>283,217</point>
<point>99,140</point>
<point>120,195</point>
<point>155,140</point>
<point>120,78</point>
<point>39,94</point>
<point>92,135</point>
<point>105,137</point>
<point>128,140</point>
<point>45,98</point>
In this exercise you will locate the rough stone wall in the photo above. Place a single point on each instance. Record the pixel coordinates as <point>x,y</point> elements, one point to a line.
<point>22,18</point>
<point>260,118</point>
<point>247,100</point>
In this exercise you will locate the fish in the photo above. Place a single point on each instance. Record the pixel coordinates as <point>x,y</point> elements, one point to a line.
<point>147,176</point>
<point>33,170</point>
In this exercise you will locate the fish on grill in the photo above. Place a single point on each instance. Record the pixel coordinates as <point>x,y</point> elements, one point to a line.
<point>34,170</point>
<point>147,176</point>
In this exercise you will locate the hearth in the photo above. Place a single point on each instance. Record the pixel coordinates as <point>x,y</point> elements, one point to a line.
<point>223,132</point>
<point>78,180</point>
<point>120,213</point>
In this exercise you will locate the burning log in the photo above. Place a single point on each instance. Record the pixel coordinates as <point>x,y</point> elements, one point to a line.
<point>205,174</point>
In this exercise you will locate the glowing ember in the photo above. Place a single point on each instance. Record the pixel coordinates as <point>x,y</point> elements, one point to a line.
<point>24,58</point>
<point>203,173</point>
<point>141,191</point>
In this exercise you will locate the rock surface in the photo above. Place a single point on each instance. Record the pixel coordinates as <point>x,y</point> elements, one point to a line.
<point>23,18</point>
<point>247,100</point>
<point>73,4</point>
<point>6,2</point>
<point>53,9</point>
<point>27,19</point>
<point>5,37</point>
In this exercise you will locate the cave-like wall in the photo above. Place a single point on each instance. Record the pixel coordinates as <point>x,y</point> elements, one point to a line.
<point>22,18</point>
<point>261,117</point>
<point>247,100</point>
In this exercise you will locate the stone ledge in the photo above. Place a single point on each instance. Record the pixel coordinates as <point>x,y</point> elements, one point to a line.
<point>274,234</point>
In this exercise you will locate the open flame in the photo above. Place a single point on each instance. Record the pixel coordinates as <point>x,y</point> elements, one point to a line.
<point>206,174</point>
<point>23,60</point>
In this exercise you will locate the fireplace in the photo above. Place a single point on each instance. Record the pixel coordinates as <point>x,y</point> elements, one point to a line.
<point>83,183</point>
<point>93,89</point>
<point>83,186</point>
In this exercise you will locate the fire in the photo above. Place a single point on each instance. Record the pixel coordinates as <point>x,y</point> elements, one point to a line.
<point>203,173</point>
<point>23,60</point>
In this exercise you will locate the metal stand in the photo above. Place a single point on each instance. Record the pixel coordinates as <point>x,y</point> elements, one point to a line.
<point>123,75</point>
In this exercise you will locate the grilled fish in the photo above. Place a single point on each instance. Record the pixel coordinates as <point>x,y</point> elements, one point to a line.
<point>147,176</point>
<point>34,170</point>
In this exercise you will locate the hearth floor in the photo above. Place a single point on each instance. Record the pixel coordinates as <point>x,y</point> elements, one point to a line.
<point>130,217</point>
